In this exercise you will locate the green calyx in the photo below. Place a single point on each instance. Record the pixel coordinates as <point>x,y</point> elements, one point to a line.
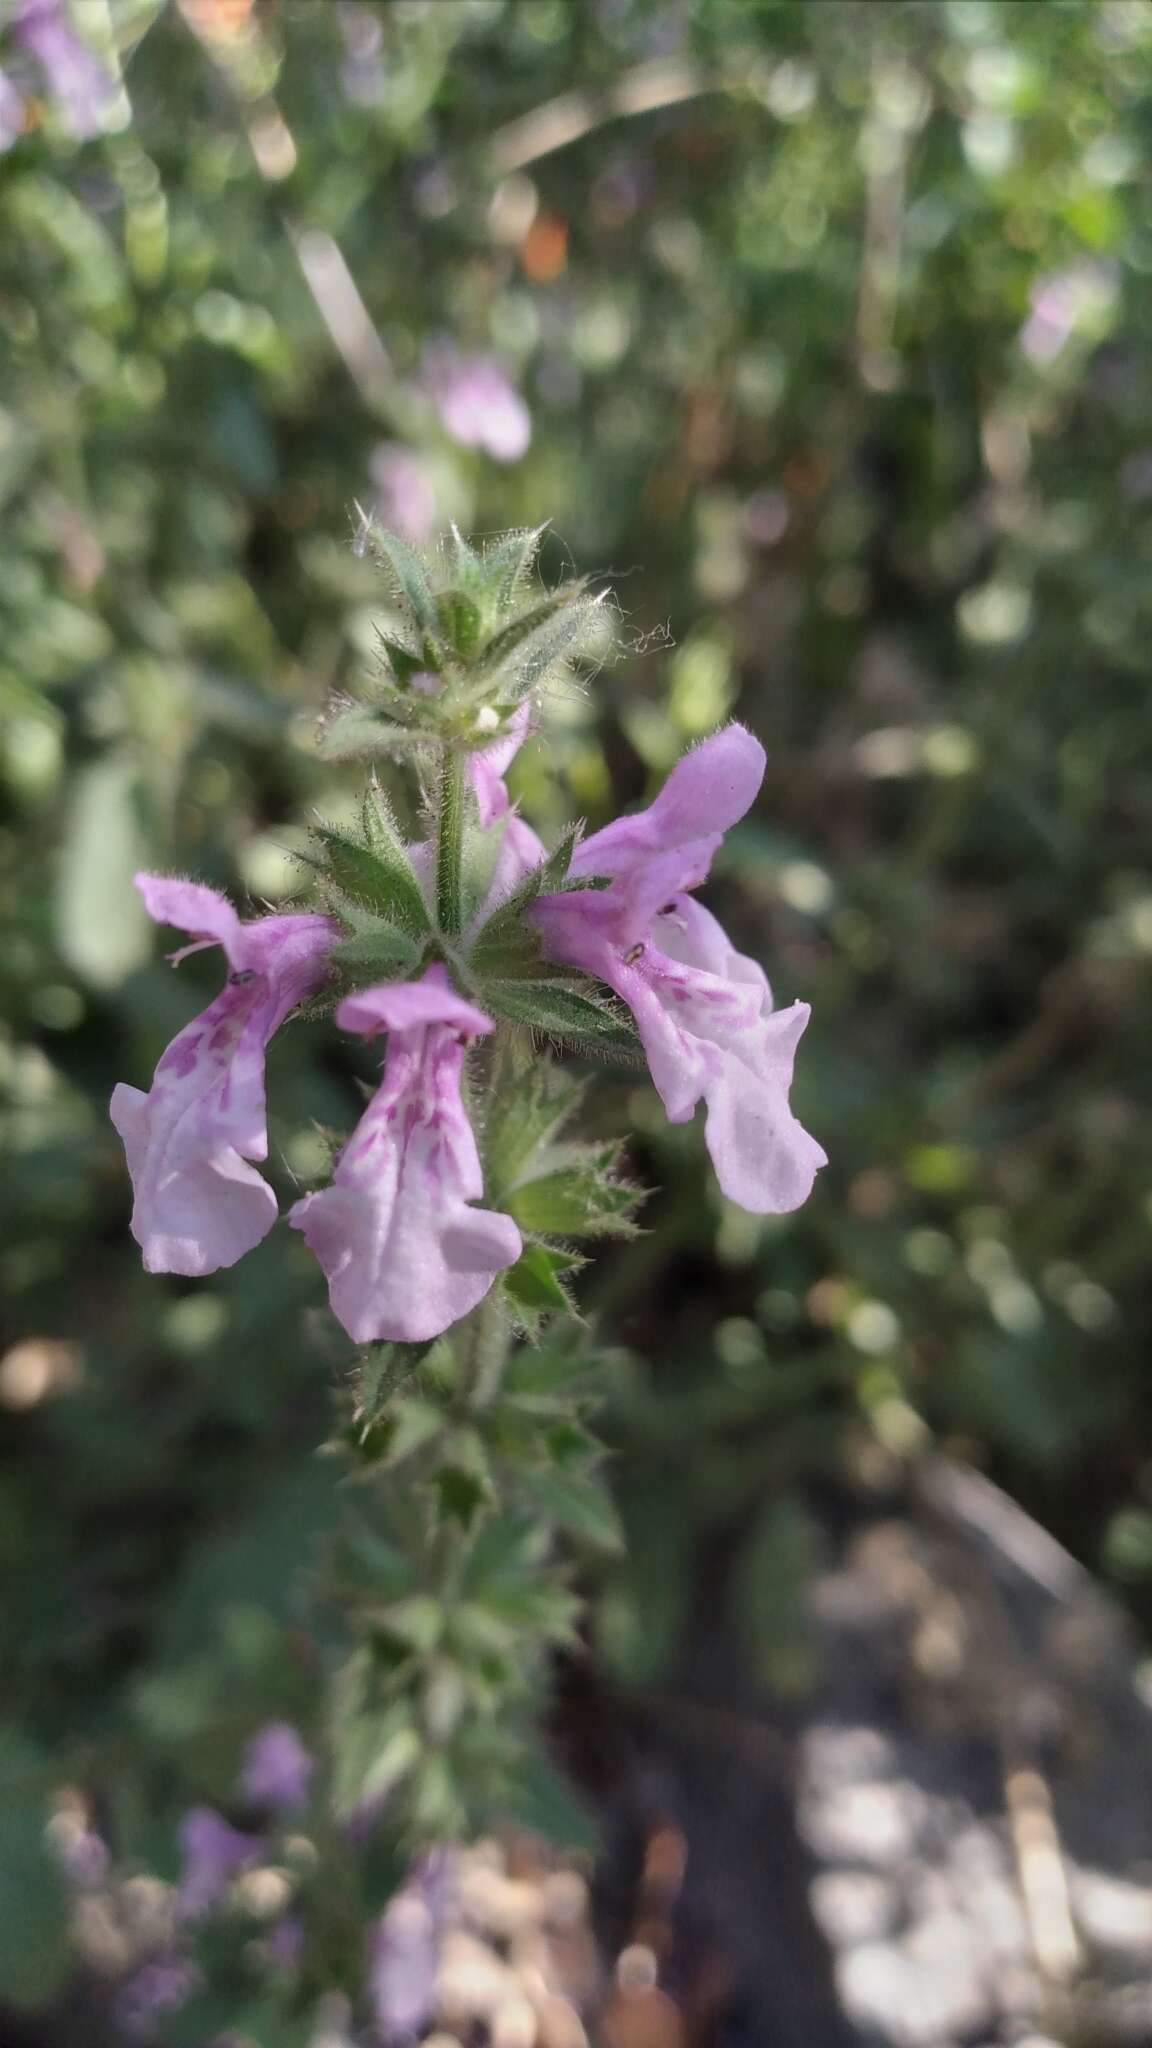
<point>469,634</point>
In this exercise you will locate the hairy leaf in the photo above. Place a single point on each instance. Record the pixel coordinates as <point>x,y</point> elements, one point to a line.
<point>576,1020</point>
<point>380,877</point>
<point>534,1281</point>
<point>574,1201</point>
<point>355,732</point>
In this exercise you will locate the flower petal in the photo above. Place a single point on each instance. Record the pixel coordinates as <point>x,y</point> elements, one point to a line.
<point>407,1005</point>
<point>704,1016</point>
<point>404,1252</point>
<point>687,932</point>
<point>192,907</point>
<point>198,1207</point>
<point>706,793</point>
<point>488,767</point>
<point>764,1159</point>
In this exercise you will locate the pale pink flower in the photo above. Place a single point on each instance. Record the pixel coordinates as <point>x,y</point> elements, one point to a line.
<point>404,1252</point>
<point>12,112</point>
<point>277,1770</point>
<point>520,849</point>
<point>213,1853</point>
<point>704,1011</point>
<point>198,1205</point>
<point>477,402</point>
<point>1074,300</point>
<point>405,491</point>
<point>77,81</point>
<point>404,1952</point>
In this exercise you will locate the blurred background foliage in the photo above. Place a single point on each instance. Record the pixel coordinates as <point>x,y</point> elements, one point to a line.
<point>831,323</point>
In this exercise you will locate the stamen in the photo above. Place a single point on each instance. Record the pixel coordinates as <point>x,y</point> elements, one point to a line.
<point>184,952</point>
<point>633,954</point>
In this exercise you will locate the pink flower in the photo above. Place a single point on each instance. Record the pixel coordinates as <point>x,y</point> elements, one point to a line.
<point>213,1853</point>
<point>477,402</point>
<point>76,79</point>
<point>404,1952</point>
<point>277,1770</point>
<point>198,1205</point>
<point>12,112</point>
<point>405,491</point>
<point>404,1253</point>
<point>520,848</point>
<point>703,1010</point>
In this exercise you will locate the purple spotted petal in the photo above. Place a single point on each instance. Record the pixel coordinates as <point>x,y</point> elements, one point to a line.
<point>405,1253</point>
<point>704,1014</point>
<point>199,1205</point>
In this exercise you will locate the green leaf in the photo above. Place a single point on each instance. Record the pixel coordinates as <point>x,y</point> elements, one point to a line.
<point>527,1116</point>
<point>102,926</point>
<point>578,1021</point>
<point>384,1370</point>
<point>462,1494</point>
<point>460,623</point>
<point>413,1423</point>
<point>522,653</point>
<point>508,949</point>
<point>373,1746</point>
<point>409,578</point>
<point>378,951</point>
<point>381,878</point>
<point>355,733</point>
<point>574,1201</point>
<point>578,1505</point>
<point>463,561</point>
<point>535,1282</point>
<point>463,1479</point>
<point>507,564</point>
<point>508,945</point>
<point>418,1622</point>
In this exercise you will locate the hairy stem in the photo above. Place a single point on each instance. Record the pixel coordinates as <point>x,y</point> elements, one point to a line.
<point>449,844</point>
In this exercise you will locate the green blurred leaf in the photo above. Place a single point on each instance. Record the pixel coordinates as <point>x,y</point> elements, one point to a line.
<point>103,929</point>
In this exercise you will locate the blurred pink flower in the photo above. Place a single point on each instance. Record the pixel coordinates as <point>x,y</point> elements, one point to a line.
<point>1063,302</point>
<point>76,80</point>
<point>404,1956</point>
<point>11,112</point>
<point>277,1770</point>
<point>404,1252</point>
<point>477,402</point>
<point>213,1854</point>
<point>704,1011</point>
<point>405,491</point>
<point>198,1205</point>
